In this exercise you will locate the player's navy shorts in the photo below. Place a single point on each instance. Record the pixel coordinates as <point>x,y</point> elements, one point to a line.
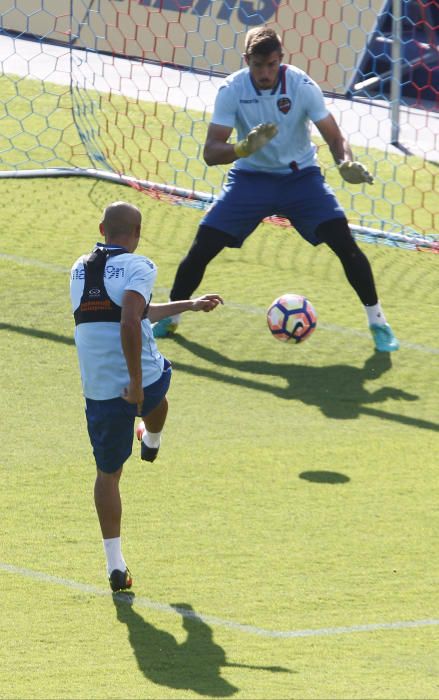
<point>303,197</point>
<point>110,423</point>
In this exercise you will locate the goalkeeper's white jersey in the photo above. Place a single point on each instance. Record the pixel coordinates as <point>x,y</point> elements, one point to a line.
<point>292,105</point>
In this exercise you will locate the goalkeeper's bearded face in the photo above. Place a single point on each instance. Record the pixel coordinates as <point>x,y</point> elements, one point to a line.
<point>264,70</point>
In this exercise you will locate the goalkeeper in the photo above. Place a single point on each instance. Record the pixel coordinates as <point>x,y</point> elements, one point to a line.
<point>276,172</point>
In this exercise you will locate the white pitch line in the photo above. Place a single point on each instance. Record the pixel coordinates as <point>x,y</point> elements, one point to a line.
<point>34,263</point>
<point>337,329</point>
<point>142,602</point>
<point>231,305</point>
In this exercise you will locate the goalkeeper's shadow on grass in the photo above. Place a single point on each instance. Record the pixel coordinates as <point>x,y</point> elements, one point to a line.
<point>194,664</point>
<point>337,390</point>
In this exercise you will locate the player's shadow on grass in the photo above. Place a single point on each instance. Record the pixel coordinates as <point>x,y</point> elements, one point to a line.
<point>337,390</point>
<point>36,333</point>
<point>324,477</point>
<point>195,664</point>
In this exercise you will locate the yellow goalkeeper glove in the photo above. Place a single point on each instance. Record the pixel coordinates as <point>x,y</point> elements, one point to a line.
<point>354,172</point>
<point>255,139</point>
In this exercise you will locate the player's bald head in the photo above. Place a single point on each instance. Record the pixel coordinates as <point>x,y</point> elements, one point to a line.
<point>120,219</point>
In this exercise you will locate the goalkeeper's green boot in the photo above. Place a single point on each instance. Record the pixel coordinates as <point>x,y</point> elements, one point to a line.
<point>164,327</point>
<point>383,338</point>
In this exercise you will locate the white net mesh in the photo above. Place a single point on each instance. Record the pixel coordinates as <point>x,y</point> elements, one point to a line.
<point>124,89</point>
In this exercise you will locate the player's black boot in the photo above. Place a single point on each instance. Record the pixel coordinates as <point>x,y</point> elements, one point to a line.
<point>120,580</point>
<point>148,453</point>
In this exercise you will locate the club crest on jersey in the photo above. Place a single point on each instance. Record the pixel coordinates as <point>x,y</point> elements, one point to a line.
<point>284,104</point>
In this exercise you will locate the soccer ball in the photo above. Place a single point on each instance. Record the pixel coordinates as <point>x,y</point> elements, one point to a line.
<point>291,317</point>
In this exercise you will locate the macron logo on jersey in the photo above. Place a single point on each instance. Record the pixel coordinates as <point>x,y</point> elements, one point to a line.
<point>253,101</point>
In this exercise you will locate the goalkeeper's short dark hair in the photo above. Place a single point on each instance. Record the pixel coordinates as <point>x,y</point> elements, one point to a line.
<point>262,40</point>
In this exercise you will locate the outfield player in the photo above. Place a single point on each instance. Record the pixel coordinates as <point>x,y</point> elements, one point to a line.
<point>122,372</point>
<point>275,171</point>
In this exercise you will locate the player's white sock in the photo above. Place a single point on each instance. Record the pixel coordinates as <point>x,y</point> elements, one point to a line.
<point>375,315</point>
<point>113,552</point>
<point>175,318</point>
<point>151,439</point>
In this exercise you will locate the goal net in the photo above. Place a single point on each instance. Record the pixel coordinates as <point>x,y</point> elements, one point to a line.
<point>123,90</point>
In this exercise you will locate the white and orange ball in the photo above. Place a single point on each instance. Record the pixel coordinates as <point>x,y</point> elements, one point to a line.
<point>291,317</point>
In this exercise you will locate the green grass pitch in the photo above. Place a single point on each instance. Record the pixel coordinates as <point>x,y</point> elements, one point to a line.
<point>294,503</point>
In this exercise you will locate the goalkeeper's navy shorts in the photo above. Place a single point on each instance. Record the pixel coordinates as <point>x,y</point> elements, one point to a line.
<point>110,423</point>
<point>303,197</point>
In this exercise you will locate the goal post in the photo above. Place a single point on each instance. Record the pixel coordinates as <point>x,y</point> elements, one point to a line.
<point>123,90</point>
